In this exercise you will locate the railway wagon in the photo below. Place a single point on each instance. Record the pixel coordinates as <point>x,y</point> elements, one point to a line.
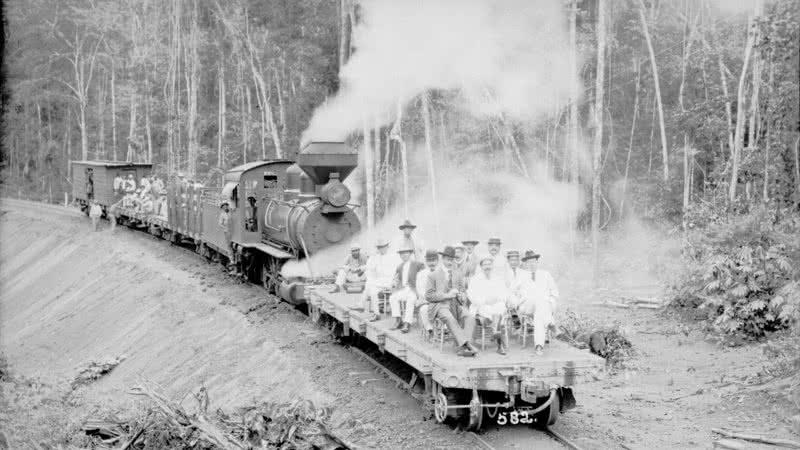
<point>94,180</point>
<point>519,387</point>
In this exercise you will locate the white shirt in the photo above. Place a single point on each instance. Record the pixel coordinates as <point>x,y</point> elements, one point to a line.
<point>514,277</point>
<point>542,289</point>
<point>484,291</point>
<point>381,269</point>
<point>499,267</point>
<point>422,282</point>
<point>404,273</point>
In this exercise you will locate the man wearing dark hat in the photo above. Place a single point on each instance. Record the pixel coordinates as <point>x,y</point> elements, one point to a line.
<point>353,270</point>
<point>431,263</point>
<point>380,271</point>
<point>405,284</point>
<point>445,290</point>
<point>538,295</point>
<point>408,240</point>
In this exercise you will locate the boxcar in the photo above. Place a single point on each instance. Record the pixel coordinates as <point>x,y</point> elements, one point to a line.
<point>94,180</point>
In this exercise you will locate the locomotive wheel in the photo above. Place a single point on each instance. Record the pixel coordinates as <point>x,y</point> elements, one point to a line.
<point>270,275</point>
<point>475,413</point>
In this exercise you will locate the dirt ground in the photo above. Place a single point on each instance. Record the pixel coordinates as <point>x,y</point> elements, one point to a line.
<point>69,296</point>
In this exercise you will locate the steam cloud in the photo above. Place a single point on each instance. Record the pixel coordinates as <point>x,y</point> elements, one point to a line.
<point>504,56</point>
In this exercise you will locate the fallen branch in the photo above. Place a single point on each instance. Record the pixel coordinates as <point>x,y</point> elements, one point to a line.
<point>729,444</point>
<point>611,304</point>
<point>757,438</point>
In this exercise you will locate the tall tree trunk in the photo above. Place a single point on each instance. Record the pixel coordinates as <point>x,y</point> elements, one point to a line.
<point>598,137</point>
<point>740,111</point>
<point>646,31</point>
<point>369,166</point>
<point>132,129</point>
<point>574,172</point>
<point>771,92</point>
<point>113,112</point>
<point>397,134</point>
<point>147,130</point>
<point>221,111</point>
<point>344,32</point>
<point>426,118</point>
<point>192,88</point>
<point>630,141</point>
<point>101,119</point>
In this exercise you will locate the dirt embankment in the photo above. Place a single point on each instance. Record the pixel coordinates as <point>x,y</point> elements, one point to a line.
<point>70,296</point>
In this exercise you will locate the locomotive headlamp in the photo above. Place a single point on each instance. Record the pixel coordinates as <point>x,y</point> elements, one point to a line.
<point>337,193</point>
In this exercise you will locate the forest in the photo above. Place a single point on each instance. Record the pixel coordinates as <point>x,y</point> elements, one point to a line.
<point>681,113</point>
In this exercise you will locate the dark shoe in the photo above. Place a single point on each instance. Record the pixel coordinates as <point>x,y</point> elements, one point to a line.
<point>336,288</point>
<point>406,328</point>
<point>465,352</point>
<point>397,324</point>
<point>471,347</point>
<point>430,334</point>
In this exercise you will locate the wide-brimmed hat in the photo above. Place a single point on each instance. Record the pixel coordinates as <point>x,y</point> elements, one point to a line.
<point>511,253</point>
<point>407,224</point>
<point>470,242</point>
<point>530,254</point>
<point>381,242</point>
<point>494,240</point>
<point>448,252</point>
<point>485,258</point>
<point>355,246</point>
<point>431,255</point>
<point>223,204</point>
<point>458,245</point>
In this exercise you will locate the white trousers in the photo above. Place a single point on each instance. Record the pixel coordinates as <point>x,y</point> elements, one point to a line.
<point>542,312</point>
<point>405,295</point>
<point>369,301</point>
<point>343,276</point>
<point>424,319</point>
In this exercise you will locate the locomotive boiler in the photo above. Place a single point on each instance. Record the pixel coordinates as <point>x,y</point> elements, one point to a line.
<point>313,210</point>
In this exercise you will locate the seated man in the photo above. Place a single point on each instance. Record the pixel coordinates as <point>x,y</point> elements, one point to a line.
<point>488,297</point>
<point>130,184</point>
<point>380,273</point>
<point>353,270</point>
<point>537,297</point>
<point>405,283</point>
<point>431,262</point>
<point>146,205</point>
<point>445,287</point>
<point>136,200</point>
<point>500,265</point>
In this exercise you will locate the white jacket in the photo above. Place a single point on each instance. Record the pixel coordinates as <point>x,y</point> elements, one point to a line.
<point>487,296</point>
<point>381,269</point>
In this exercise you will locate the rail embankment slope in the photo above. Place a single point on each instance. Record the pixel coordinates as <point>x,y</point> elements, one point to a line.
<point>69,296</point>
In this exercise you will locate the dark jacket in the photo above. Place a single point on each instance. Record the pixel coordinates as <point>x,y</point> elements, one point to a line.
<point>438,286</point>
<point>413,269</point>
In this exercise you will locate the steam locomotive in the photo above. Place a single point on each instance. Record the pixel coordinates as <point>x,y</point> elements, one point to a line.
<point>280,210</point>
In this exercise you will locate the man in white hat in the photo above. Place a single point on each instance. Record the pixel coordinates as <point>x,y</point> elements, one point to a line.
<point>353,270</point>
<point>380,271</point>
<point>514,273</point>
<point>405,284</point>
<point>488,298</point>
<point>408,240</point>
<point>494,244</point>
<point>538,295</point>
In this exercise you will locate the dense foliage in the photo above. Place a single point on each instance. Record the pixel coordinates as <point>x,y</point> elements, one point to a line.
<point>742,273</point>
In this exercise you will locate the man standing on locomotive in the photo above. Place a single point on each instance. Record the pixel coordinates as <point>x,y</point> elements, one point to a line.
<point>380,273</point>
<point>445,292</point>
<point>408,240</point>
<point>406,289</point>
<point>353,269</point>
<point>538,295</point>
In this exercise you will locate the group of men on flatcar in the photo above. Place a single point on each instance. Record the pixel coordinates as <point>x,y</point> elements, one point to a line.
<point>455,286</point>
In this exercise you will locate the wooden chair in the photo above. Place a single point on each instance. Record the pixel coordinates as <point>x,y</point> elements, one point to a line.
<point>484,323</point>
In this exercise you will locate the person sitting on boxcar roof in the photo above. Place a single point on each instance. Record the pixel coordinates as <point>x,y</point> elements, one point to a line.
<point>445,292</point>
<point>405,283</point>
<point>380,272</point>
<point>538,295</point>
<point>353,270</point>
<point>407,239</point>
<point>431,262</point>
<point>488,298</point>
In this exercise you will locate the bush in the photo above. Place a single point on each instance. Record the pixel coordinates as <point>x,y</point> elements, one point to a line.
<point>741,273</point>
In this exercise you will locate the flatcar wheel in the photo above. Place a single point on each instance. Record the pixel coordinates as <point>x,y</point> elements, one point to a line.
<point>440,407</point>
<point>549,415</point>
<point>475,413</point>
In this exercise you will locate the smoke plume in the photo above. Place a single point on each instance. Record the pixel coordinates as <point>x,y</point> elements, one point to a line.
<point>505,56</point>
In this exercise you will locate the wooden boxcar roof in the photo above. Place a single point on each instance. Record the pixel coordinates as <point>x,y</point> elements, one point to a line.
<point>235,173</point>
<point>112,164</point>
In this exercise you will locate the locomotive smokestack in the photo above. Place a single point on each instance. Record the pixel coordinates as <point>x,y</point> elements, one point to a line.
<point>320,159</point>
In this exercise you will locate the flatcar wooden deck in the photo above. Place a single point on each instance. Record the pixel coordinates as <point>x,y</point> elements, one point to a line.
<point>561,364</point>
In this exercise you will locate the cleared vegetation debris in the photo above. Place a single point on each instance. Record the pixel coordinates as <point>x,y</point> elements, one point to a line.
<point>606,340</point>
<point>296,425</point>
<point>750,437</point>
<point>94,370</point>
